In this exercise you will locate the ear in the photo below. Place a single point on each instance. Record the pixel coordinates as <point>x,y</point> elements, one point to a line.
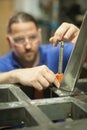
<point>9,41</point>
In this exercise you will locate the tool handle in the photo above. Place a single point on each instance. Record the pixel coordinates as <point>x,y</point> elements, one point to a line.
<point>61,57</point>
<point>59,77</point>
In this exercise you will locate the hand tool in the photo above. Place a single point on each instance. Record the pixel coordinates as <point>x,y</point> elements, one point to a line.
<point>59,75</point>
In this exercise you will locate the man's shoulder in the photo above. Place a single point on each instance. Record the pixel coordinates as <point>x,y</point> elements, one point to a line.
<point>46,46</point>
<point>6,56</point>
<point>50,49</point>
<point>8,62</point>
<point>50,46</point>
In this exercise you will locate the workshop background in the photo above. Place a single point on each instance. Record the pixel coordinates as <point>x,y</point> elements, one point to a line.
<point>49,13</point>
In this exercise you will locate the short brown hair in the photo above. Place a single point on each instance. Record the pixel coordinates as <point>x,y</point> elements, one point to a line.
<point>20,17</point>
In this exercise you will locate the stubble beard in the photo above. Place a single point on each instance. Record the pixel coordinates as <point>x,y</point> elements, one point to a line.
<point>30,60</point>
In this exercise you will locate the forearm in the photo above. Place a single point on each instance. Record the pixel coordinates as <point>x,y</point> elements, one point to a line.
<point>8,77</point>
<point>38,77</point>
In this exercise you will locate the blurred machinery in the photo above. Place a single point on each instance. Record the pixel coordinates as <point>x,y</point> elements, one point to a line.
<point>72,11</point>
<point>51,13</point>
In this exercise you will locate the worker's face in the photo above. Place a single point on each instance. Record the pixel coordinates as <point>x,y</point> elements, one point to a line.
<point>24,40</point>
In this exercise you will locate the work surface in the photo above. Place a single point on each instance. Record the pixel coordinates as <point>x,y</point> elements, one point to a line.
<point>17,111</point>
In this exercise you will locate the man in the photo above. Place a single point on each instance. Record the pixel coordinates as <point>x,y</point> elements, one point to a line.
<point>40,61</point>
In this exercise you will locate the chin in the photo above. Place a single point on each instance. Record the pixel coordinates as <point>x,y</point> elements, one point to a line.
<point>30,59</point>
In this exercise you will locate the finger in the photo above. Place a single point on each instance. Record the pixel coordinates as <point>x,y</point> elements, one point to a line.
<point>70,33</point>
<point>74,40</point>
<point>48,75</point>
<point>51,77</point>
<point>49,71</point>
<point>43,81</point>
<point>61,31</point>
<point>37,86</point>
<point>57,84</point>
<point>54,40</point>
<point>59,34</point>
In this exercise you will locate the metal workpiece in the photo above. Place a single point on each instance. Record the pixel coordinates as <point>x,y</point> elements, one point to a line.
<point>72,71</point>
<point>63,108</point>
<point>17,111</point>
<point>11,92</point>
<point>77,125</point>
<point>74,66</point>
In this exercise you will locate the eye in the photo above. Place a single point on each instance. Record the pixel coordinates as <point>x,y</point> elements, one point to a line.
<point>19,39</point>
<point>33,37</point>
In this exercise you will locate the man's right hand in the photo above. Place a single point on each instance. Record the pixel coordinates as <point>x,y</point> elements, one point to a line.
<point>38,77</point>
<point>66,32</point>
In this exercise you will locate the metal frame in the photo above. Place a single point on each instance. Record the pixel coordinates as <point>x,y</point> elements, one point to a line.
<point>19,111</point>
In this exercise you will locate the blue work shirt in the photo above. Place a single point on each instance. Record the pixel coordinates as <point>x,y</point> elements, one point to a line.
<point>49,56</point>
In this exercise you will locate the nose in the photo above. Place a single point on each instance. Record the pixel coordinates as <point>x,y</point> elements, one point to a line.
<point>27,43</point>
